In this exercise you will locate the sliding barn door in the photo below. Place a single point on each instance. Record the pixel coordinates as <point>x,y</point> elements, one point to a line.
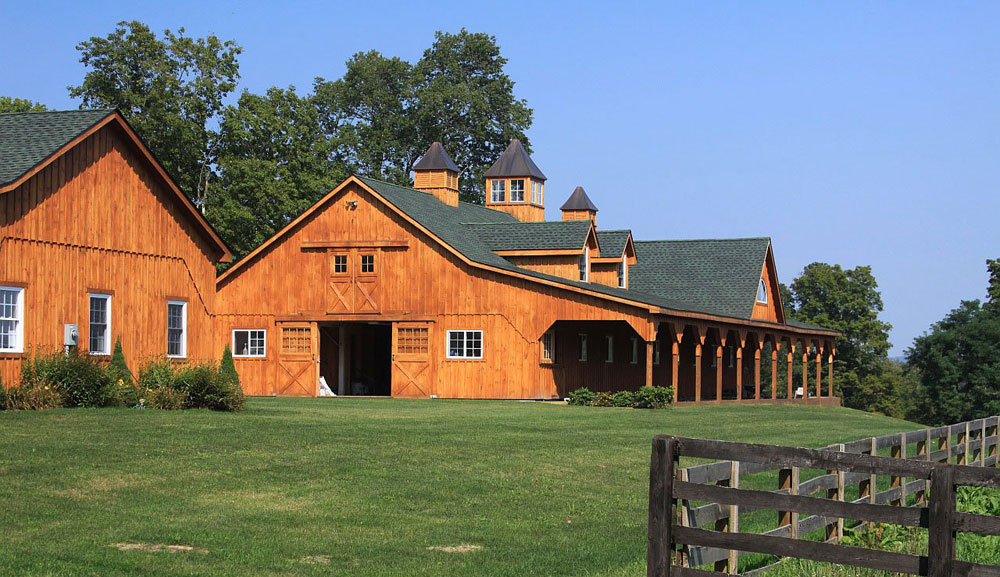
<point>298,367</point>
<point>412,372</point>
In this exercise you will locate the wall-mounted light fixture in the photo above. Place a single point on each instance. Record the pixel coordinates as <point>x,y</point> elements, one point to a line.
<point>351,204</point>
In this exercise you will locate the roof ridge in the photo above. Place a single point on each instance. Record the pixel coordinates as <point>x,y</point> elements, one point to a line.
<point>616,230</point>
<point>767,238</point>
<point>26,112</point>
<point>411,189</point>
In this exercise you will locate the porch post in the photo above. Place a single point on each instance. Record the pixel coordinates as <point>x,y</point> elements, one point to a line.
<point>791,385</point>
<point>739,374</point>
<point>775,347</point>
<point>756,371</point>
<point>805,373</point>
<point>675,357</point>
<point>697,372</point>
<point>829,378</point>
<point>718,372</point>
<point>649,362</point>
<point>819,371</point>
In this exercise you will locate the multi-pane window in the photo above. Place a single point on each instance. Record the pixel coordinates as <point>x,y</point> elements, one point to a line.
<point>296,340</point>
<point>176,329</point>
<point>622,269</point>
<point>517,191</point>
<point>635,351</point>
<point>367,263</point>
<point>583,347</point>
<point>499,191</point>
<point>100,324</point>
<point>585,266</point>
<point>340,264</point>
<point>534,191</point>
<point>11,319</point>
<point>249,343</point>
<point>549,347</point>
<point>465,344</point>
<point>412,341</point>
<point>762,292</point>
<point>609,342</point>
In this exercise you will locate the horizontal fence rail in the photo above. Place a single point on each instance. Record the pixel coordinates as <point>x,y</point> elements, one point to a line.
<point>945,458</point>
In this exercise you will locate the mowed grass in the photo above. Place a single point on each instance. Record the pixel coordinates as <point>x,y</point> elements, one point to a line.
<point>356,486</point>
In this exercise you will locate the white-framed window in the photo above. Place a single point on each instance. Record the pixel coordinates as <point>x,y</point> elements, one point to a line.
<point>176,329</point>
<point>499,191</point>
<point>100,324</point>
<point>250,343</point>
<point>517,191</point>
<point>762,292</point>
<point>465,344</point>
<point>11,319</point>
<point>623,272</point>
<point>549,347</point>
<point>585,266</point>
<point>609,342</point>
<point>583,347</point>
<point>635,351</point>
<point>534,191</point>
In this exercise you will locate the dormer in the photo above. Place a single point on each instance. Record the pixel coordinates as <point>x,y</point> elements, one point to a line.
<point>437,175</point>
<point>617,254</point>
<point>515,185</point>
<point>579,207</point>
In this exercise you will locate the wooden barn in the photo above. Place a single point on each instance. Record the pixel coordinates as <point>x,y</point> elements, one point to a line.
<point>94,233</point>
<point>387,290</point>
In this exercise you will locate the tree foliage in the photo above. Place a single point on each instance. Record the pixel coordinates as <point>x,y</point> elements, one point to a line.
<point>118,369</point>
<point>169,89</point>
<point>11,104</point>
<point>959,360</point>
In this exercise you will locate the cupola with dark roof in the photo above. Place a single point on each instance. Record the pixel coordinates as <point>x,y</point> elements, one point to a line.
<point>436,174</point>
<point>579,207</point>
<point>515,184</point>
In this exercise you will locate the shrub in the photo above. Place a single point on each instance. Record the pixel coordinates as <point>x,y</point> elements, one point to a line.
<point>78,377</point>
<point>653,397</point>
<point>622,399</point>
<point>3,396</point>
<point>602,400</point>
<point>227,372</point>
<point>121,394</point>
<point>118,369</point>
<point>164,398</point>
<point>156,374</point>
<point>582,397</point>
<point>205,388</point>
<point>33,395</point>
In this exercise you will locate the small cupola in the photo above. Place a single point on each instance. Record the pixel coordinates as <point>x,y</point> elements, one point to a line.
<point>579,207</point>
<point>436,174</point>
<point>515,185</point>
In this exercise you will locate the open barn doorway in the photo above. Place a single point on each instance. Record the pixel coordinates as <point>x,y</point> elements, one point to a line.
<point>356,358</point>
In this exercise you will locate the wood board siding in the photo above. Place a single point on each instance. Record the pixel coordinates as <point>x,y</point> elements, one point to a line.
<point>770,311</point>
<point>100,218</point>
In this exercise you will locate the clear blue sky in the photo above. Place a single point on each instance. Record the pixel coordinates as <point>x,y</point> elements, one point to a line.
<point>851,133</point>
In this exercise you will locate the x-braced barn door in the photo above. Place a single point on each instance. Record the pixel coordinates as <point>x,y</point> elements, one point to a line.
<point>354,281</point>
<point>298,369</point>
<point>412,373</point>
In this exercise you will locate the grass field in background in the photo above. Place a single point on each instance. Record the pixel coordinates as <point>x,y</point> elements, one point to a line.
<point>356,486</point>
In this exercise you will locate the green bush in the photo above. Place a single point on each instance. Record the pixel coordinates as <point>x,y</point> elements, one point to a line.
<point>121,394</point>
<point>227,372</point>
<point>156,374</point>
<point>653,397</point>
<point>3,396</point>
<point>602,400</point>
<point>33,395</point>
<point>205,388</point>
<point>622,399</point>
<point>164,398</point>
<point>118,369</point>
<point>80,378</point>
<point>582,397</point>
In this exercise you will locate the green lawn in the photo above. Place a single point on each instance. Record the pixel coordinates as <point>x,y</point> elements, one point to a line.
<point>356,486</point>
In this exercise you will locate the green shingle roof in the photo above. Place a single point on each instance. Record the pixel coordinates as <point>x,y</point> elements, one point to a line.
<point>557,235</point>
<point>612,242</point>
<point>28,138</point>
<point>716,275</point>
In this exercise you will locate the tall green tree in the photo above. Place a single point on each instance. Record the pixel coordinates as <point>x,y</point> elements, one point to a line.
<point>273,163</point>
<point>11,104</point>
<point>170,89</point>
<point>993,290</point>
<point>846,300</point>
<point>464,98</point>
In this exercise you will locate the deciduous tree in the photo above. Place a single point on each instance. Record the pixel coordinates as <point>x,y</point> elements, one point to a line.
<point>10,104</point>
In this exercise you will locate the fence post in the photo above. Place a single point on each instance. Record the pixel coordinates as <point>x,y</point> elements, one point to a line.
<point>661,488</point>
<point>924,450</point>
<point>982,444</point>
<point>835,531</point>
<point>683,519</point>
<point>788,480</point>
<point>941,536</point>
<point>899,452</point>
<point>734,518</point>
<point>994,432</point>
<point>963,440</point>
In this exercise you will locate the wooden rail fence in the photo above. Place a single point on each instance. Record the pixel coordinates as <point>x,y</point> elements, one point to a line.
<point>962,457</point>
